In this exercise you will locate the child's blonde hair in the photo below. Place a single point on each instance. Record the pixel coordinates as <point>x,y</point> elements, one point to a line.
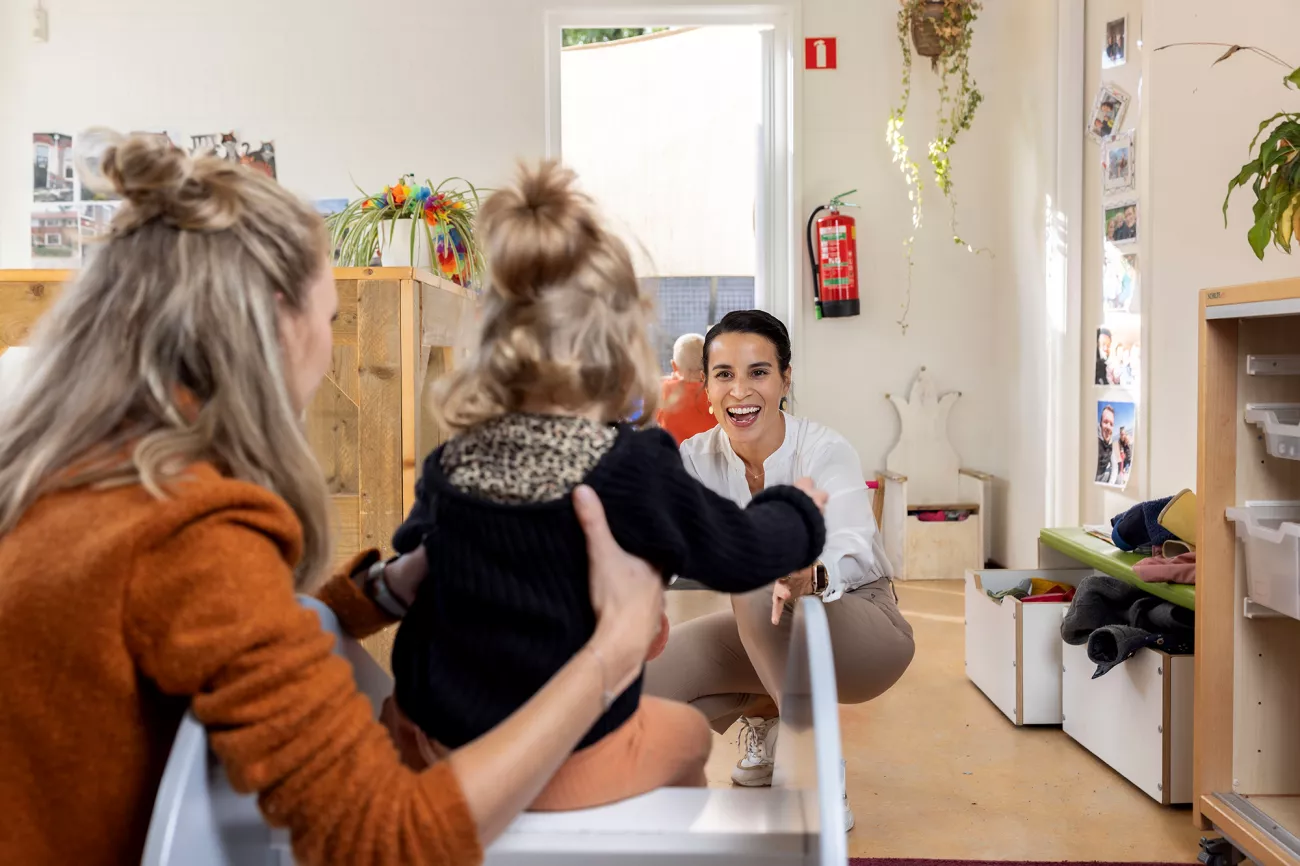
<point>165,350</point>
<point>564,322</point>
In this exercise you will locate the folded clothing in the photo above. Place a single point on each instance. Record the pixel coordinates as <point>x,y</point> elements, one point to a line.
<point>1058,595</point>
<point>1161,569</point>
<point>940,516</point>
<point>1116,620</point>
<point>1032,589</point>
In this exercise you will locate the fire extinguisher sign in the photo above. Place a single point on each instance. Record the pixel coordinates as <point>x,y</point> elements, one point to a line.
<point>819,52</point>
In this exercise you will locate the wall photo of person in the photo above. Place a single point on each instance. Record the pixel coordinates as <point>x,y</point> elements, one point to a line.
<point>1118,163</point>
<point>1102,358</point>
<point>1108,111</point>
<point>1120,281</point>
<point>1121,223</point>
<point>1115,52</point>
<point>1116,443</point>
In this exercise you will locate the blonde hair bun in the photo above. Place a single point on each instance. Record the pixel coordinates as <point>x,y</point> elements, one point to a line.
<point>538,232</point>
<point>564,325</point>
<point>159,180</point>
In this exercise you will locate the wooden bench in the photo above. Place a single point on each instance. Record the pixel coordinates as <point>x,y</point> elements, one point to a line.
<point>199,821</point>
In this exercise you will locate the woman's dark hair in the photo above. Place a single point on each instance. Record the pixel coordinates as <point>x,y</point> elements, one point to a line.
<point>757,322</point>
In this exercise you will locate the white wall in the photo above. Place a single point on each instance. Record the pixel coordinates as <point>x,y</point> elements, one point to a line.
<point>1201,121</point>
<point>1097,504</point>
<point>976,321</point>
<point>664,133</point>
<point>335,85</point>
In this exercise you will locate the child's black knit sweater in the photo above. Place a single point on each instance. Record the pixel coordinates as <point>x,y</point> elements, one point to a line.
<point>506,602</point>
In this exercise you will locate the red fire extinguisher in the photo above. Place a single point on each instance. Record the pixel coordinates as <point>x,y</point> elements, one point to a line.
<point>834,259</point>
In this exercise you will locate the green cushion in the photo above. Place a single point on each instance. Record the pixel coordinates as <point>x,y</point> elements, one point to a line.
<point>1108,559</point>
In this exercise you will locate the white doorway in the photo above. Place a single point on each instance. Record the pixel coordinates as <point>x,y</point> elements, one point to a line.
<point>678,124</point>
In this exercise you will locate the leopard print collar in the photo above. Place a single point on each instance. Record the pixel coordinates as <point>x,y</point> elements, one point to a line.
<point>520,458</point>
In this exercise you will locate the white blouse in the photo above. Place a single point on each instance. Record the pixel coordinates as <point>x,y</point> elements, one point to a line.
<point>854,554</point>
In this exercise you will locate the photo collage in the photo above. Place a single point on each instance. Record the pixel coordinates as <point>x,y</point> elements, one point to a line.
<point>68,215</point>
<point>1116,372</point>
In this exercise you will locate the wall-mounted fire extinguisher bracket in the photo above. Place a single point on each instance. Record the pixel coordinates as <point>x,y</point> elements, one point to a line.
<point>833,255</point>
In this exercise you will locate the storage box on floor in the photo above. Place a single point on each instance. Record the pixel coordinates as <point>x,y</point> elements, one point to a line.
<point>1137,718</point>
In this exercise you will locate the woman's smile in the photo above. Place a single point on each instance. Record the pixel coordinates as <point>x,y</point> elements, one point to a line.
<point>743,415</point>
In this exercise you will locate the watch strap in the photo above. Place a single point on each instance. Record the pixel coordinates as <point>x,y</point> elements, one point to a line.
<point>380,593</point>
<point>821,578</point>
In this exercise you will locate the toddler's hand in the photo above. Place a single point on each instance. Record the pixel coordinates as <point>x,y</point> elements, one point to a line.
<point>818,497</point>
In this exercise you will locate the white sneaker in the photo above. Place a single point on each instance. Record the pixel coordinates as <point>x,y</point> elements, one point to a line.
<point>758,747</point>
<point>844,786</point>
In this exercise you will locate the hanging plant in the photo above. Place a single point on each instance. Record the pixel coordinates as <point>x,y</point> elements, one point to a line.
<point>940,30</point>
<point>1276,173</point>
<point>1275,169</point>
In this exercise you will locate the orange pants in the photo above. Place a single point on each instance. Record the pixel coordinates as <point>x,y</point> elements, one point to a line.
<point>663,744</point>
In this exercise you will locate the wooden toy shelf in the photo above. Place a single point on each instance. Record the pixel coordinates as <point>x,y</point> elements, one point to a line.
<point>1247,697</point>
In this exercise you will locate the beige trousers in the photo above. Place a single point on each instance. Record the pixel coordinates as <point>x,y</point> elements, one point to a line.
<point>727,661</point>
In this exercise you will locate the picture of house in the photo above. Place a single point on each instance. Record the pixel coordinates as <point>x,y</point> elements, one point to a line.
<point>52,173</point>
<point>56,232</point>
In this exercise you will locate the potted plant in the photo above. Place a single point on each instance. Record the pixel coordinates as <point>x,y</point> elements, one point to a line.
<point>1274,176</point>
<point>940,30</point>
<point>413,225</point>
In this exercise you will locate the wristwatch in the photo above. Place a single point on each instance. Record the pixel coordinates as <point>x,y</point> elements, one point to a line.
<point>378,590</point>
<point>821,580</point>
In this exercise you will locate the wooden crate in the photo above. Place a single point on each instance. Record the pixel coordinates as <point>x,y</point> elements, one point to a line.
<point>369,424</point>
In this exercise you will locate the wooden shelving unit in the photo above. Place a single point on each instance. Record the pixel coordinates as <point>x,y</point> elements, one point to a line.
<point>398,330</point>
<point>1246,773</point>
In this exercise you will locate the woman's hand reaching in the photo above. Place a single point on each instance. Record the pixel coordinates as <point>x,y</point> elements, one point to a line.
<point>819,497</point>
<point>800,583</point>
<point>794,586</point>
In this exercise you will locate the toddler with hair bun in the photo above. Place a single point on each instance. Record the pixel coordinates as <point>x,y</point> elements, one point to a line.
<point>563,354</point>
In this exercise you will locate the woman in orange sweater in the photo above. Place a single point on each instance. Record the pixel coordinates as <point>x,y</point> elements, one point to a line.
<point>159,507</point>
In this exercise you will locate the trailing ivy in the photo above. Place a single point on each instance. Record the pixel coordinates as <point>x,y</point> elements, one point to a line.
<point>959,97</point>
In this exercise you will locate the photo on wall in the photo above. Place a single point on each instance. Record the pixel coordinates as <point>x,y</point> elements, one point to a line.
<point>260,159</point>
<point>53,177</point>
<point>1116,442</point>
<point>56,236</point>
<point>1120,281</point>
<point>96,221</point>
<point>1108,111</point>
<point>1116,51</point>
<point>1118,163</point>
<point>1118,360</point>
<point>1121,223</point>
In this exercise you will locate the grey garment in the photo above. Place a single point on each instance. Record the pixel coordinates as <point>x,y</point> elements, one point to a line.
<point>1116,619</point>
<point>723,662</point>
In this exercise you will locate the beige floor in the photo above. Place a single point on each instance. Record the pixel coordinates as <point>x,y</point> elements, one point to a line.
<point>935,771</point>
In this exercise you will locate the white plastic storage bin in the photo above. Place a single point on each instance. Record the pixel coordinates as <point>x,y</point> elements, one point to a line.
<point>1013,650</point>
<point>1281,425</point>
<point>1270,532</point>
<point>1137,718</point>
